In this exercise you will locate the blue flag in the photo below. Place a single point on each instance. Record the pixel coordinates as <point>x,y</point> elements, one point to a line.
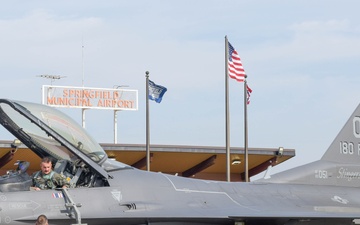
<point>156,92</point>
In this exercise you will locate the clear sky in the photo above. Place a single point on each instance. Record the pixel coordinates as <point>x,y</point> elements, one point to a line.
<point>302,58</point>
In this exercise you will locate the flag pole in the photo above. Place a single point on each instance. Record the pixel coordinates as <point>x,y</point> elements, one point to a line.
<point>246,133</point>
<point>147,123</point>
<point>227,117</point>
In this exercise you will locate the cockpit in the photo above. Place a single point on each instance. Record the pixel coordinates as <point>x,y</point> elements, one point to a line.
<point>50,133</point>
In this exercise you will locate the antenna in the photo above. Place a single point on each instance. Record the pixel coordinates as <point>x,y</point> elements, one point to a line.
<point>82,58</point>
<point>52,77</point>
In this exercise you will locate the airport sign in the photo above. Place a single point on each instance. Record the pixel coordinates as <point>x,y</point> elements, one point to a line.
<point>89,98</point>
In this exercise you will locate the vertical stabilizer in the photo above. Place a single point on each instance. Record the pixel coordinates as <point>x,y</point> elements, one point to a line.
<point>346,146</point>
<point>339,166</point>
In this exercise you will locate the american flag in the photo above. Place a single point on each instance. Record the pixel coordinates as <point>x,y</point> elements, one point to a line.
<point>248,91</point>
<point>236,70</point>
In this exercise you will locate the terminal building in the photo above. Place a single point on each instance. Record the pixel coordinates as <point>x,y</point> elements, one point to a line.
<point>198,162</point>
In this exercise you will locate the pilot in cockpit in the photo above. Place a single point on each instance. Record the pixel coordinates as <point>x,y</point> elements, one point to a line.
<point>46,178</point>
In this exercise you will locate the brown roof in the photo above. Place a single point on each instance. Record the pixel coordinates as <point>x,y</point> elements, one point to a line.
<point>205,162</point>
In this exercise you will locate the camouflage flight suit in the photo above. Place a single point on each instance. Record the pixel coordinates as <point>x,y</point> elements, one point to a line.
<point>49,181</point>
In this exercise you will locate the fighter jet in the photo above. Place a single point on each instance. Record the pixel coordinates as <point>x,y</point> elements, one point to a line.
<point>104,191</point>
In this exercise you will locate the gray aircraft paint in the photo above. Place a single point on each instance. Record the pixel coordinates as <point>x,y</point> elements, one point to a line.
<point>322,192</point>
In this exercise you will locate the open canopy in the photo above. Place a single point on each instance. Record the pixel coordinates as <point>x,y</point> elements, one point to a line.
<point>49,132</point>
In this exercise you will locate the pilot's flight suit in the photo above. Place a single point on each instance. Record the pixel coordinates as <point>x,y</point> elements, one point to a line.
<point>49,181</point>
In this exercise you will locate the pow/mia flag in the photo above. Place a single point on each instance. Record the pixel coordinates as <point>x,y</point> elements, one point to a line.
<point>156,92</point>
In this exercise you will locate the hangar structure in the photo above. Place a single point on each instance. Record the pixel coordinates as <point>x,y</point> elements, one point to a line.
<point>202,162</point>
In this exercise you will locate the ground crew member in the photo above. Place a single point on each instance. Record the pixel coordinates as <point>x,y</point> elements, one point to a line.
<point>42,220</point>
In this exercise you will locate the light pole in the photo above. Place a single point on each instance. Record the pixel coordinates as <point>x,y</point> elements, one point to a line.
<point>115,113</point>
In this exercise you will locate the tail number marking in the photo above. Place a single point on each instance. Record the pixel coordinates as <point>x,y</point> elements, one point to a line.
<point>347,148</point>
<point>356,126</point>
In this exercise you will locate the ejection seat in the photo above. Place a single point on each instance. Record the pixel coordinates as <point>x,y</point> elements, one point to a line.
<point>16,180</point>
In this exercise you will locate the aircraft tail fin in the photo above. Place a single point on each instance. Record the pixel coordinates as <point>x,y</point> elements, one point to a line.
<point>346,146</point>
<point>340,165</point>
